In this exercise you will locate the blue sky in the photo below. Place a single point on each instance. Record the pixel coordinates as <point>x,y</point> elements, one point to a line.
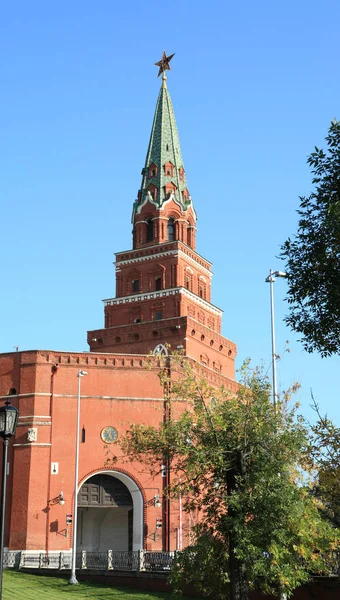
<point>254,87</point>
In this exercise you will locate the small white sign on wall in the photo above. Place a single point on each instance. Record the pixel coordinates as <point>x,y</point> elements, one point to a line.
<point>54,468</point>
<point>32,434</point>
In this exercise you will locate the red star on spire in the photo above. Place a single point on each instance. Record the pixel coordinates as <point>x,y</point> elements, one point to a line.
<point>163,64</point>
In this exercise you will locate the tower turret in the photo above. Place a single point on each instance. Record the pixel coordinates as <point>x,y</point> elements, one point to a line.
<point>163,209</point>
<point>163,172</point>
<point>163,287</point>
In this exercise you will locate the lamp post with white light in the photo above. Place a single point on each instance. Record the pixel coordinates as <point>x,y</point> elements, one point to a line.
<point>8,422</point>
<point>73,579</point>
<point>271,279</point>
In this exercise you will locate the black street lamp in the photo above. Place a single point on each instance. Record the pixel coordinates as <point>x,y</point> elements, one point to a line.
<point>8,422</point>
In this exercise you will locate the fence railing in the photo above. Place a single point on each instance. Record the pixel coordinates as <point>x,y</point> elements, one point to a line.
<point>141,560</point>
<point>11,559</point>
<point>137,561</point>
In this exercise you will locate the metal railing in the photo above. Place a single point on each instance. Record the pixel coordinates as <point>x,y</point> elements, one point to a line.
<point>11,559</point>
<point>141,560</point>
<point>133,561</point>
<point>157,561</point>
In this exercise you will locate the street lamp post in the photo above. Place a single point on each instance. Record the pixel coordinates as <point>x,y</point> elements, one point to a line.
<point>73,579</point>
<point>8,422</point>
<point>271,279</point>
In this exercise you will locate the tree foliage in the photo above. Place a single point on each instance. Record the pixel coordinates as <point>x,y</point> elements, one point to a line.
<point>243,466</point>
<point>312,257</point>
<point>325,455</point>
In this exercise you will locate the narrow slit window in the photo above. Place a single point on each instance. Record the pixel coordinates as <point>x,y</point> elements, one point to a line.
<point>171,230</point>
<point>149,230</point>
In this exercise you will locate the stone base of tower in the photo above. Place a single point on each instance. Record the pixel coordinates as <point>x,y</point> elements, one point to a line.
<point>119,503</point>
<point>182,334</point>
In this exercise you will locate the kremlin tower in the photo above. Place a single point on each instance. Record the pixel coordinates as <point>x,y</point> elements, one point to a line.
<point>163,286</point>
<point>162,304</point>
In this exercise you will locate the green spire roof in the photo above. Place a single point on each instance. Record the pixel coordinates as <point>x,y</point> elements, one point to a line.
<point>163,173</point>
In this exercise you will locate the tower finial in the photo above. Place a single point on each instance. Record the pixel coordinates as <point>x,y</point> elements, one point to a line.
<point>163,64</point>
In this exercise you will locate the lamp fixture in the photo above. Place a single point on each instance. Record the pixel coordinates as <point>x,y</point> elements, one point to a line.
<point>57,500</point>
<point>273,274</point>
<point>73,579</point>
<point>271,279</point>
<point>156,500</point>
<point>8,422</point>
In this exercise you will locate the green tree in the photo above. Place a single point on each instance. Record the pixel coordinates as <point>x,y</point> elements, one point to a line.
<point>242,465</point>
<point>325,457</point>
<point>312,257</point>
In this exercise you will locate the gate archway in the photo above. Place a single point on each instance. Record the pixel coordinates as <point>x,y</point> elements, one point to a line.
<point>110,510</point>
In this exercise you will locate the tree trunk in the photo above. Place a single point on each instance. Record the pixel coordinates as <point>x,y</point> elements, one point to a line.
<point>238,582</point>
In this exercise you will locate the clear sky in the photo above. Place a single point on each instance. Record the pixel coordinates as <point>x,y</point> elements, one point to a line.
<point>254,87</point>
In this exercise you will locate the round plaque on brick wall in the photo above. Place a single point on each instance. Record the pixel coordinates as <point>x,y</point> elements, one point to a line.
<point>109,435</point>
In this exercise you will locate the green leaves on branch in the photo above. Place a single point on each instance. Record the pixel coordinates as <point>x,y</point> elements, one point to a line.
<point>312,257</point>
<point>244,466</point>
<point>325,456</point>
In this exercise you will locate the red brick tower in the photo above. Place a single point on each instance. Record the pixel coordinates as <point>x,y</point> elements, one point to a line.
<point>163,297</point>
<point>163,286</point>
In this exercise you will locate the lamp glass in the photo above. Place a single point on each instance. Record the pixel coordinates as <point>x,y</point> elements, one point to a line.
<point>2,421</point>
<point>8,420</point>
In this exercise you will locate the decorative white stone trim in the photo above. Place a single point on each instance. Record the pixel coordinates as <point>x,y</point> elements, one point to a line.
<point>137,499</point>
<point>26,395</point>
<point>112,398</point>
<point>147,198</point>
<point>145,296</point>
<point>138,259</point>
<point>195,262</point>
<point>176,253</point>
<point>34,422</point>
<point>163,293</point>
<point>173,197</point>
<point>31,444</point>
<point>32,434</point>
<point>35,416</point>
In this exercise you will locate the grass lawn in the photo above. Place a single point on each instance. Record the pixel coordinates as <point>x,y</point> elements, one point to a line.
<point>21,586</point>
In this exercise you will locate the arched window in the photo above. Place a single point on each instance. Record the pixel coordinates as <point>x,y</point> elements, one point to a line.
<point>189,235</point>
<point>202,287</point>
<point>171,230</point>
<point>149,230</point>
<point>158,283</point>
